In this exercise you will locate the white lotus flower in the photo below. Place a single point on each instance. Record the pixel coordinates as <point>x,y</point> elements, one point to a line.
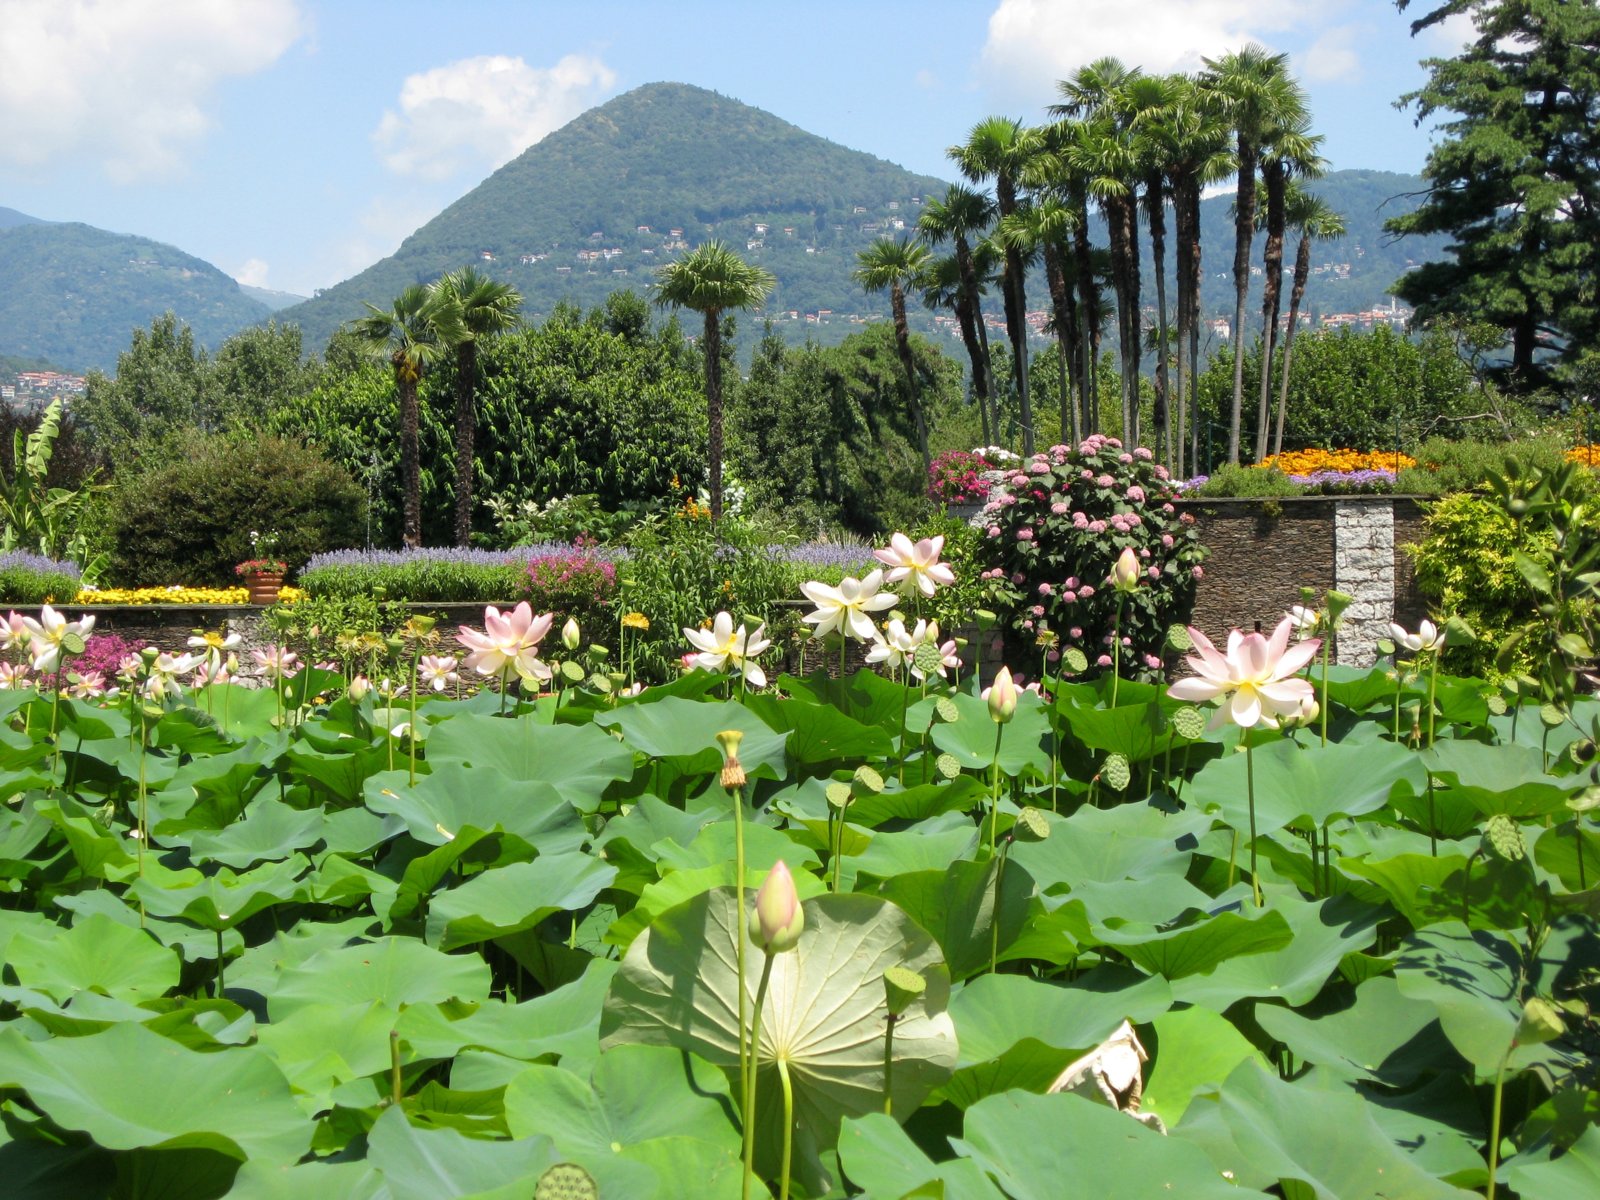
<point>916,561</point>
<point>1428,637</point>
<point>46,634</point>
<point>727,644</point>
<point>1255,676</point>
<point>845,607</point>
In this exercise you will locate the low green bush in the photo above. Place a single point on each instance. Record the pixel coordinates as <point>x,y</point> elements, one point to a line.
<point>1246,483</point>
<point>189,520</point>
<point>1445,466</point>
<point>33,579</point>
<point>439,575</point>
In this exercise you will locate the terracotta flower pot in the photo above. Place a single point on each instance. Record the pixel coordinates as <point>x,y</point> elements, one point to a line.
<point>264,586</point>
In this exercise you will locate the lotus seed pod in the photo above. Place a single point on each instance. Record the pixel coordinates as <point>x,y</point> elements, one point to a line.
<point>732,771</point>
<point>1541,1022</point>
<point>566,1181</point>
<point>868,780</point>
<point>777,918</point>
<point>945,709</point>
<point>1002,697</point>
<point>1031,825</point>
<point>901,987</point>
<point>1116,773</point>
<point>1502,837</point>
<point>838,794</point>
<point>1074,661</point>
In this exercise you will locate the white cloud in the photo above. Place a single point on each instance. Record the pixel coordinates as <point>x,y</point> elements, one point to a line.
<point>126,82</point>
<point>484,111</point>
<point>1447,37</point>
<point>1331,57</point>
<point>252,273</point>
<point>1034,43</point>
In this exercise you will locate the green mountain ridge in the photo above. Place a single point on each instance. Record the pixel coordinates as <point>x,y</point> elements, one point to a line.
<point>74,293</point>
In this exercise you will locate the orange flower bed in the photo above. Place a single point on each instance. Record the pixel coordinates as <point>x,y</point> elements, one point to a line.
<point>1307,462</point>
<point>1588,455</point>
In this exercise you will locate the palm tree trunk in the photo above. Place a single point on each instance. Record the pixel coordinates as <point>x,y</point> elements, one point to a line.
<point>1088,314</point>
<point>1135,355</point>
<point>969,339</point>
<point>1276,177</point>
<point>1065,319</point>
<point>1117,230</point>
<point>713,349</point>
<point>1244,223</point>
<point>466,435</point>
<point>1016,293</point>
<point>1156,210</point>
<point>1191,204</point>
<point>1185,365</point>
<point>982,374</point>
<point>902,341</point>
<point>1302,272</point>
<point>410,457</point>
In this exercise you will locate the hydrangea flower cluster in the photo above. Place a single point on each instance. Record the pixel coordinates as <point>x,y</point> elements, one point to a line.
<point>957,477</point>
<point>1056,529</point>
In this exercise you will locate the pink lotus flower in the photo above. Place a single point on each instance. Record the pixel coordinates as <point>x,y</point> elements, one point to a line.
<point>1002,697</point>
<point>276,662</point>
<point>1255,676</point>
<point>508,644</point>
<point>437,671</point>
<point>14,632</point>
<point>1125,574</point>
<point>14,675</point>
<point>916,561</point>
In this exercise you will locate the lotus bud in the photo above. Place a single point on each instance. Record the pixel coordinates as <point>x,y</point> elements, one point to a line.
<point>1541,1022</point>
<point>1125,575</point>
<point>359,687</point>
<point>732,771</point>
<point>571,638</point>
<point>1002,697</point>
<point>777,919</point>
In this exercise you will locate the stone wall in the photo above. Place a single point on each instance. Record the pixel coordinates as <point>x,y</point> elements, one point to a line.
<point>1264,551</point>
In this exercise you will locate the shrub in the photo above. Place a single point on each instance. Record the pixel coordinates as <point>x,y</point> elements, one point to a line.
<point>442,575</point>
<point>1055,532</point>
<point>104,652</point>
<point>957,477</point>
<point>191,518</point>
<point>1445,466</point>
<point>1243,483</point>
<point>578,582</point>
<point>33,579</point>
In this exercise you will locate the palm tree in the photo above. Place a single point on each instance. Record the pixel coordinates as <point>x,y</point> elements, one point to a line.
<point>890,264</point>
<point>998,148</point>
<point>1251,90</point>
<point>415,331</point>
<point>711,279</point>
<point>940,285</point>
<point>960,214</point>
<point>1043,228</point>
<point>1315,220</point>
<point>482,308</point>
<point>1289,151</point>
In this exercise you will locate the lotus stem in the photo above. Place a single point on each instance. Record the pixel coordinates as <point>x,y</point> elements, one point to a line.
<point>1433,687</point>
<point>1116,651</point>
<point>1327,646</point>
<point>749,1097</point>
<point>888,1066</point>
<point>739,940</point>
<point>1250,794</point>
<point>416,651</point>
<point>788,1126</point>
<point>994,790</point>
<point>1577,836</point>
<point>994,915</point>
<point>397,1092</point>
<point>1494,1119</point>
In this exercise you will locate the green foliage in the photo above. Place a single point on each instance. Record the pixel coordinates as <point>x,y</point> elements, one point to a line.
<point>1445,466</point>
<point>35,517</point>
<point>443,576</point>
<point>1360,391</point>
<point>189,521</point>
<point>73,292</point>
<point>30,579</point>
<point>1053,538</point>
<point>1248,483</point>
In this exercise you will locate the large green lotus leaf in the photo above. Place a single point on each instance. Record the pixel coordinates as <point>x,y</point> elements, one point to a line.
<point>919,802</point>
<point>1190,1048</point>
<point>819,733</point>
<point>1470,979</point>
<point>1556,850</point>
<point>881,1159</point>
<point>1313,782</point>
<point>508,899</point>
<point>825,1009</point>
<point>128,1087</point>
<point>223,900</point>
<point>355,831</point>
<point>1575,1173</point>
<point>390,971</point>
<point>1440,1124</point>
<point>634,1095</point>
<point>337,880</point>
<point>926,847</point>
<point>430,1164</point>
<point>319,1046</point>
<point>221,783</point>
<point>715,846</point>
<point>957,904</point>
<point>971,739</point>
<point>865,697</point>
<point>1019,1032</point>
<point>38,1168</point>
<point>559,1024</point>
<point>193,943</point>
<point>579,761</point>
<point>269,831</point>
<point>678,887</point>
<point>1385,1036</point>
<point>96,954</point>
<point>1135,731</point>
<point>1501,779</point>
<point>15,920</point>
<point>1127,841</point>
<point>1325,1140</point>
<point>98,853</point>
<point>1045,1147</point>
<point>307,1181</point>
<point>1428,890</point>
<point>425,872</point>
<point>1196,948</point>
<point>257,968</point>
<point>340,773</point>
<point>1154,900</point>
<point>685,732</point>
<point>1356,688</point>
<point>456,796</point>
<point>1324,931</point>
<point>651,820</point>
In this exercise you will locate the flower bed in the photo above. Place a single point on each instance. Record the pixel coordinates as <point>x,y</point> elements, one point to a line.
<point>34,579</point>
<point>1310,462</point>
<point>176,594</point>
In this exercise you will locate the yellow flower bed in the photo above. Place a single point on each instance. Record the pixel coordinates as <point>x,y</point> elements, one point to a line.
<point>177,595</point>
<point>1307,462</point>
<point>1588,455</point>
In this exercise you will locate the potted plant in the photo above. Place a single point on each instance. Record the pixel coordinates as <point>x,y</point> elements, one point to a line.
<point>263,572</point>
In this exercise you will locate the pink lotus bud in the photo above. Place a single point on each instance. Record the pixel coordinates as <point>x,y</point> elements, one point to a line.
<point>777,919</point>
<point>1125,575</point>
<point>359,687</point>
<point>1002,697</point>
<point>570,634</point>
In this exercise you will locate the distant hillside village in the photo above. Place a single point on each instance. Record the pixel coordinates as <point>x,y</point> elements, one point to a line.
<point>34,389</point>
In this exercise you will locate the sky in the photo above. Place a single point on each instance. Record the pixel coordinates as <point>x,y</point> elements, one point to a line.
<point>295,142</point>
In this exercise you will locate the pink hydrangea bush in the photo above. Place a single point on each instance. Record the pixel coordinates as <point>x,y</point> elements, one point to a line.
<point>957,477</point>
<point>1054,531</point>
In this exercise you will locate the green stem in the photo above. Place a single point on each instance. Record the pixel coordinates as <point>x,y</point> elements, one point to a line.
<point>994,790</point>
<point>888,1068</point>
<point>788,1127</point>
<point>749,1097</point>
<point>1433,825</point>
<point>416,649</point>
<point>739,936</point>
<point>397,1092</point>
<point>994,912</point>
<point>1250,793</point>
<point>1494,1120</point>
<point>905,701</point>
<point>1116,651</point>
<point>1577,836</point>
<point>1433,687</point>
<point>1327,646</point>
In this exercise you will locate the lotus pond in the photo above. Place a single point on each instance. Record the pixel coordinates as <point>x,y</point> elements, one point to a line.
<point>281,942</point>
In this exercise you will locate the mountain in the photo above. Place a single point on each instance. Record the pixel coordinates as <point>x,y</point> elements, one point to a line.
<point>275,301</point>
<point>10,217</point>
<point>74,293</point>
<point>600,203</point>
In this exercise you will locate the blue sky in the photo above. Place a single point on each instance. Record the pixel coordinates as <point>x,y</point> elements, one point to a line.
<point>293,142</point>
